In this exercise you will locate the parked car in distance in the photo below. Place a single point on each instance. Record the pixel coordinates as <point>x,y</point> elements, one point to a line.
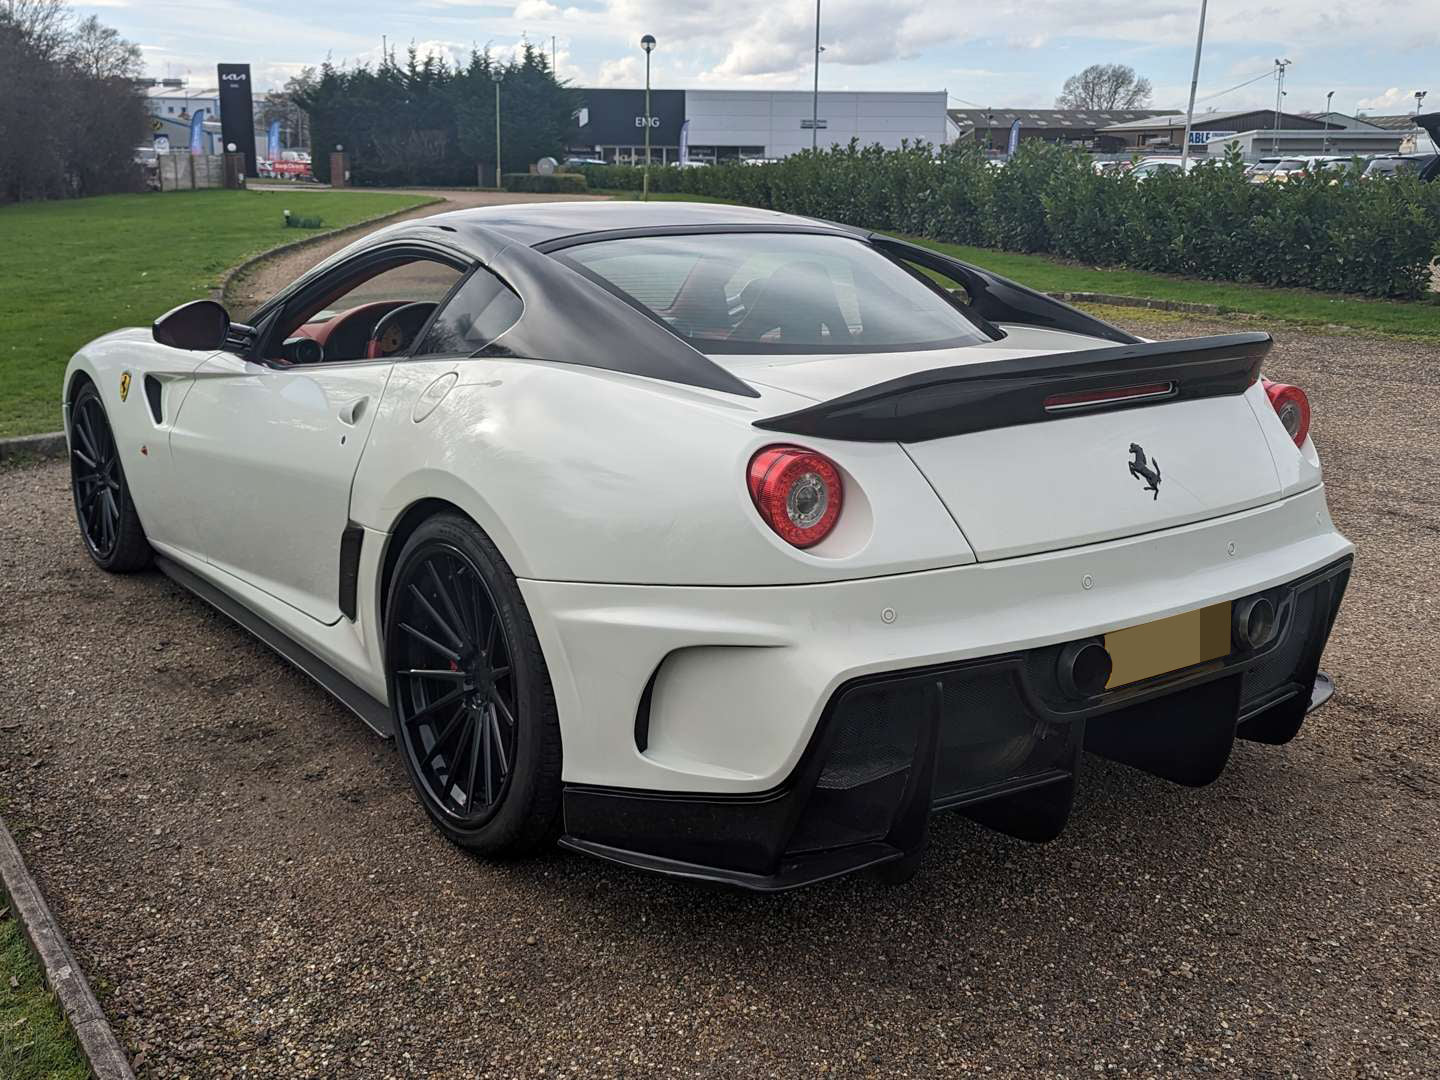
<point>574,162</point>
<point>1280,170</point>
<point>1387,167</point>
<point>1153,166</point>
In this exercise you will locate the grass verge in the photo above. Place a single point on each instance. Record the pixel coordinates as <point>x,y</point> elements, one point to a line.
<point>77,268</point>
<point>34,1041</point>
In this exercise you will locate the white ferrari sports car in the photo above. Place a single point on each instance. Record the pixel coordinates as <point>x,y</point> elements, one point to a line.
<point>719,542</point>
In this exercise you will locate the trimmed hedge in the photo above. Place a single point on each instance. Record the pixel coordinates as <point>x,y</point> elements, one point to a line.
<point>556,183</point>
<point>1376,238</point>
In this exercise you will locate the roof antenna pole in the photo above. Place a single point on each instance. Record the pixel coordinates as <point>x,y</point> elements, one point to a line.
<point>1194,82</point>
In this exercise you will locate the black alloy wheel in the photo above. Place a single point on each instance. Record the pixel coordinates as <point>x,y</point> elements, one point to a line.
<point>474,714</point>
<point>103,506</point>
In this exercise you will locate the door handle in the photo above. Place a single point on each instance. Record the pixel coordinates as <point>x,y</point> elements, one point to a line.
<point>351,411</point>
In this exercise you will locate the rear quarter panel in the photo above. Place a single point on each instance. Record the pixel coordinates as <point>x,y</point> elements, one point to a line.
<point>580,474</point>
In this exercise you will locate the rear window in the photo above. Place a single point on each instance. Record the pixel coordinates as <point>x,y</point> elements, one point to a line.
<point>776,293</point>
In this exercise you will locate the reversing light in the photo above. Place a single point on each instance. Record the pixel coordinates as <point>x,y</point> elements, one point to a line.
<point>797,491</point>
<point>1293,408</point>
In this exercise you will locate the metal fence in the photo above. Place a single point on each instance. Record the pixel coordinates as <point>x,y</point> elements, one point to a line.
<point>183,172</point>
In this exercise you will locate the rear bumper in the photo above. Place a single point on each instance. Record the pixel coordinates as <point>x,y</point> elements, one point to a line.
<point>991,736</point>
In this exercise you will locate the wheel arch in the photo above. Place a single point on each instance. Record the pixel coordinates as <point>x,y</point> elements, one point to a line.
<point>404,526</point>
<point>75,381</point>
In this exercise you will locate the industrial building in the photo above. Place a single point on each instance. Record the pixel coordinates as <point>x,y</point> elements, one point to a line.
<point>1074,127</point>
<point>729,125</point>
<point>1255,131</point>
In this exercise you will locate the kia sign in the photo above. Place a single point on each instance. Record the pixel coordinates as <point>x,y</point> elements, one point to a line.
<point>237,112</point>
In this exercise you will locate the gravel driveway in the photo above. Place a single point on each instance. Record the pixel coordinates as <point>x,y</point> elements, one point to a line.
<point>248,881</point>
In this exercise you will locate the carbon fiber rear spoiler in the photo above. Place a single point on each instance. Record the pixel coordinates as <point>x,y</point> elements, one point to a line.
<point>963,398</point>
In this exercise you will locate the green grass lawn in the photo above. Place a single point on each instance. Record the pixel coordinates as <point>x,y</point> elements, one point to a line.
<point>74,269</point>
<point>35,1044</point>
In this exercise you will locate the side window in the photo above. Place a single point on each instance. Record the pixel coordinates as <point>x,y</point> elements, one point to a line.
<point>372,313</point>
<point>480,312</point>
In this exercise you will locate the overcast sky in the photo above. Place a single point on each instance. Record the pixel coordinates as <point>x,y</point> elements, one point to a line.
<point>1373,53</point>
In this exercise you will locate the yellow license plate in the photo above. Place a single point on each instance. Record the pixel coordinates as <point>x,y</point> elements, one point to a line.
<point>1153,648</point>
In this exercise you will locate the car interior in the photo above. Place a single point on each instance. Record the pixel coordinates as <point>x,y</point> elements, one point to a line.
<point>376,313</point>
<point>740,299</point>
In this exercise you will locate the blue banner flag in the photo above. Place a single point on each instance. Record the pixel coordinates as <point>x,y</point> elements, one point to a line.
<point>685,142</point>
<point>197,132</point>
<point>272,142</point>
<point>1014,138</point>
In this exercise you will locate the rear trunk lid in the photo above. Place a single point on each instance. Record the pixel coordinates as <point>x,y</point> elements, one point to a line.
<point>1043,450</point>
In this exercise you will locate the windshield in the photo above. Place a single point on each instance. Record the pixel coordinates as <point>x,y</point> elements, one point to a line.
<point>777,293</point>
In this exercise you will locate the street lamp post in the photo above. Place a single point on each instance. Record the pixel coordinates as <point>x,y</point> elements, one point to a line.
<point>815,93</point>
<point>648,44</point>
<point>1420,96</point>
<point>1194,81</point>
<point>496,74</point>
<point>1328,96</point>
<point>1280,66</point>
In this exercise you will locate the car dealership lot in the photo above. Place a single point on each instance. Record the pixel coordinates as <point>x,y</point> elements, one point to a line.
<point>249,883</point>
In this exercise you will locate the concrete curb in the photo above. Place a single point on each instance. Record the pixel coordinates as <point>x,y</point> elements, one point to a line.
<point>1135,301</point>
<point>49,445</point>
<point>62,973</point>
<point>240,269</point>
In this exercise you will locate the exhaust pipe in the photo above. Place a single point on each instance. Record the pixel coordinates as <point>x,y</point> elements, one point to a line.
<point>1083,669</point>
<point>1253,622</point>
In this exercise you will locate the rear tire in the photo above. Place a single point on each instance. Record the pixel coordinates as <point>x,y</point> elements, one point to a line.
<point>104,509</point>
<point>475,716</point>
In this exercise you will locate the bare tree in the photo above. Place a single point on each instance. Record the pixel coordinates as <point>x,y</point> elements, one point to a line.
<point>71,114</point>
<point>98,52</point>
<point>1105,86</point>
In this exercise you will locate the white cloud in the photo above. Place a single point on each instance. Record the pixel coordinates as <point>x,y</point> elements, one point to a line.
<point>451,52</point>
<point>1027,46</point>
<point>1393,99</point>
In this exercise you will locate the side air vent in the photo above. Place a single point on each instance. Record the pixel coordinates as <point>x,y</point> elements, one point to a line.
<point>153,397</point>
<point>350,541</point>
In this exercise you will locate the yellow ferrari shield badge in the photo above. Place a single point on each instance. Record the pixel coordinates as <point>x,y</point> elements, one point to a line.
<point>124,385</point>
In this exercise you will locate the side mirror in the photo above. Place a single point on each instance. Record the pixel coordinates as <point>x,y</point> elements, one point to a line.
<point>200,324</point>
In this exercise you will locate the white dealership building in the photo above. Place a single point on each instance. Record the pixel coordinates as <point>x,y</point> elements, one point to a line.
<point>720,125</point>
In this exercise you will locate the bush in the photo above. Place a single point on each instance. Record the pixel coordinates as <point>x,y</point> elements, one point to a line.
<point>556,183</point>
<point>1323,231</point>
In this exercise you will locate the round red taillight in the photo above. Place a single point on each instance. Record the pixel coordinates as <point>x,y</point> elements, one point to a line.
<point>1293,408</point>
<point>797,491</point>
